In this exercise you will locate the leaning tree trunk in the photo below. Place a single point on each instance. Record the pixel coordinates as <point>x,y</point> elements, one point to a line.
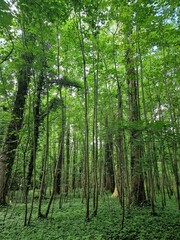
<point>137,181</point>
<point>8,152</point>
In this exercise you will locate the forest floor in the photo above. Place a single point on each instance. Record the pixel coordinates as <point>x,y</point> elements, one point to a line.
<point>68,222</point>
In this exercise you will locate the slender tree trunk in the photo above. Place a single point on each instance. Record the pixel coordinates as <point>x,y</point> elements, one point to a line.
<point>101,163</point>
<point>57,176</point>
<point>109,165</point>
<point>44,162</point>
<point>75,146</point>
<point>86,145</point>
<point>37,121</point>
<point>67,161</point>
<point>175,124</point>
<point>60,163</point>
<point>120,183</point>
<point>148,146</point>
<point>95,125</point>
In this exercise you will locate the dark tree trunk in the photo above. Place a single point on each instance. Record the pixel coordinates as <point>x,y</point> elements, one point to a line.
<point>137,181</point>
<point>109,168</point>
<point>120,151</point>
<point>74,166</point>
<point>37,121</point>
<point>67,161</point>
<point>60,164</point>
<point>8,152</point>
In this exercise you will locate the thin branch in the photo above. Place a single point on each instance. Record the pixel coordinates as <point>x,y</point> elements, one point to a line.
<point>12,49</point>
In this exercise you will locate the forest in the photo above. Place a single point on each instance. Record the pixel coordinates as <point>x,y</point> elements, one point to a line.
<point>89,119</point>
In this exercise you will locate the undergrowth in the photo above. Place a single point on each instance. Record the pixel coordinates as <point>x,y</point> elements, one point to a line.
<point>68,223</point>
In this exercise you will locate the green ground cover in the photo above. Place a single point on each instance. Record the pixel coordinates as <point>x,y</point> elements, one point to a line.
<point>68,223</point>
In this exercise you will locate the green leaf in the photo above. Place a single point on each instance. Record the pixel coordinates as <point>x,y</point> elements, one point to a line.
<point>5,15</point>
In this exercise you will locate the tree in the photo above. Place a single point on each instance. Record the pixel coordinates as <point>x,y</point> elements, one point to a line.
<point>8,151</point>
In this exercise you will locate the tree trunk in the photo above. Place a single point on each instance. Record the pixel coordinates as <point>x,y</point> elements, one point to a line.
<point>109,166</point>
<point>95,122</point>
<point>86,122</point>
<point>8,152</point>
<point>67,161</point>
<point>60,164</point>
<point>37,121</point>
<point>75,150</point>
<point>137,181</point>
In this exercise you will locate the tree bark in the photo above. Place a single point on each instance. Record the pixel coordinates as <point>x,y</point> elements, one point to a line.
<point>109,166</point>
<point>137,180</point>
<point>37,121</point>
<point>86,122</point>
<point>67,161</point>
<point>8,152</point>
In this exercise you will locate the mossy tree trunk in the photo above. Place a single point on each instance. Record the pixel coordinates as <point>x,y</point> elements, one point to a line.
<point>10,145</point>
<point>37,122</point>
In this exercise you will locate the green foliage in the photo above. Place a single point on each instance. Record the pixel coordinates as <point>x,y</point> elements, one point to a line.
<point>5,15</point>
<point>66,82</point>
<point>68,223</point>
<point>50,31</point>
